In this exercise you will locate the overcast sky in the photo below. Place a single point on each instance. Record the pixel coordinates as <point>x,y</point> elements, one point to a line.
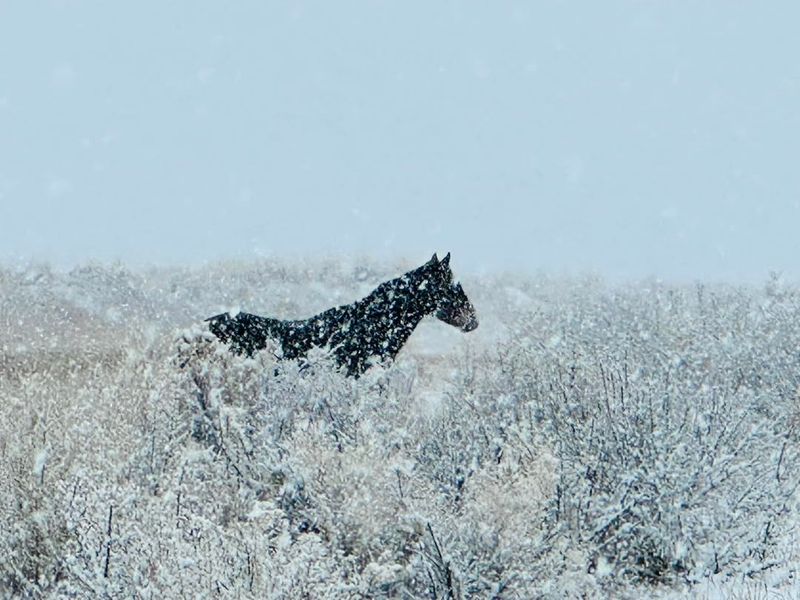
<point>632,139</point>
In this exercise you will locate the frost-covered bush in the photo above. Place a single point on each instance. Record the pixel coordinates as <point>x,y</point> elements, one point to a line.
<point>674,451</point>
<point>585,441</point>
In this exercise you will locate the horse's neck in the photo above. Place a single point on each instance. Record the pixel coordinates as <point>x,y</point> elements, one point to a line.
<point>404,308</point>
<point>399,334</point>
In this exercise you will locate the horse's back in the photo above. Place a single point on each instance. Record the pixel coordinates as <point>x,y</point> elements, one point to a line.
<point>245,333</point>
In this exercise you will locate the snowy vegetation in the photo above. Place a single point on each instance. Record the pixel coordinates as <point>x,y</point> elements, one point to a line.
<point>587,441</point>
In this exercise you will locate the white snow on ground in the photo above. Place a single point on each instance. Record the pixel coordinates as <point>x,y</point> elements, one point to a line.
<point>586,440</point>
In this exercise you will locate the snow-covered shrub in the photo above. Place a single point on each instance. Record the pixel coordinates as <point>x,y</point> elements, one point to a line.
<point>673,456</point>
<point>585,441</point>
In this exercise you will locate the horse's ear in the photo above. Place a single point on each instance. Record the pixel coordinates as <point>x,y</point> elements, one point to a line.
<point>445,261</point>
<point>434,259</point>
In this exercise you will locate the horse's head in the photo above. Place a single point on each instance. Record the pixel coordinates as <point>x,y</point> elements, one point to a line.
<point>452,305</point>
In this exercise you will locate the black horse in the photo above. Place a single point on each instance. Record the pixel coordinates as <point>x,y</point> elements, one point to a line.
<point>373,328</point>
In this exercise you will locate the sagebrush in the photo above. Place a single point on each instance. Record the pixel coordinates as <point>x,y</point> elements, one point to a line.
<point>588,440</point>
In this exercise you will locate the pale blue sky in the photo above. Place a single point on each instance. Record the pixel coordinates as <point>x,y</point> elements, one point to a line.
<point>628,138</point>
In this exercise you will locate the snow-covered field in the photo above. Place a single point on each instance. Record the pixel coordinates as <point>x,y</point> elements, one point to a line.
<point>588,440</point>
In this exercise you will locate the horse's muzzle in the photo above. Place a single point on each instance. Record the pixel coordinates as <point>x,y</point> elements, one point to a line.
<point>470,325</point>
